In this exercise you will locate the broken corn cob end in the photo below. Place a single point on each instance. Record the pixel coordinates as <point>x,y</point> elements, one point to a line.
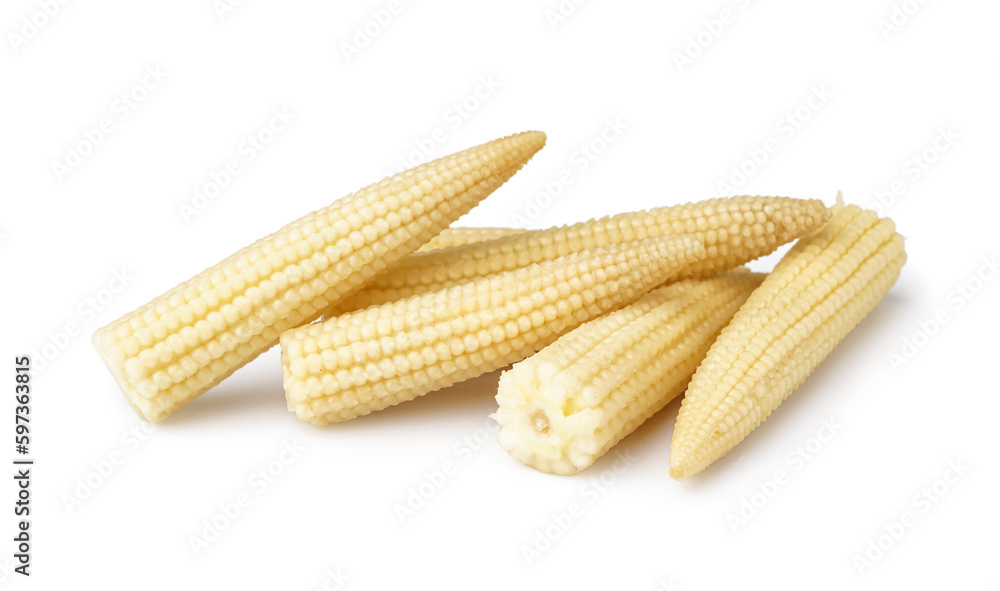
<point>819,291</point>
<point>114,359</point>
<point>566,406</point>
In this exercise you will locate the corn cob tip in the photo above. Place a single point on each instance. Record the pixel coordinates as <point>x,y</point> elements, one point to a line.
<point>681,469</point>
<point>800,218</point>
<point>523,145</point>
<point>684,459</point>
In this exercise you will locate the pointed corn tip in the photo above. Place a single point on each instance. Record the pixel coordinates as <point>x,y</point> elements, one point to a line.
<point>535,140</point>
<point>518,148</point>
<point>799,217</point>
<point>682,460</point>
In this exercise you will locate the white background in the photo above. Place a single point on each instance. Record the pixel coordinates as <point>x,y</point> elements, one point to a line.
<point>334,508</point>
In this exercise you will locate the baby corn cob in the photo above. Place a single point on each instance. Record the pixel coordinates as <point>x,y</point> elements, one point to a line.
<point>459,236</point>
<point>171,350</point>
<point>734,230</point>
<point>370,359</point>
<point>820,290</point>
<point>567,405</point>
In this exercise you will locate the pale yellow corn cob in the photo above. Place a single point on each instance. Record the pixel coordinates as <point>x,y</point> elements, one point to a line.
<point>734,230</point>
<point>817,293</point>
<point>567,405</point>
<point>171,350</point>
<point>460,236</point>
<point>370,359</point>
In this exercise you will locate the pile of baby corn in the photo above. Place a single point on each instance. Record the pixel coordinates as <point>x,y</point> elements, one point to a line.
<point>604,321</point>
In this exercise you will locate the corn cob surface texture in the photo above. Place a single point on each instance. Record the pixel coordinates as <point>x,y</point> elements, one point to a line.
<point>817,293</point>
<point>566,406</point>
<point>171,350</point>
<point>734,230</point>
<point>364,361</point>
<point>460,236</point>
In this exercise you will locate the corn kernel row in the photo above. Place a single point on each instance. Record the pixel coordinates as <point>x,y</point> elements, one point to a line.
<point>367,360</point>
<point>734,230</point>
<point>460,236</point>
